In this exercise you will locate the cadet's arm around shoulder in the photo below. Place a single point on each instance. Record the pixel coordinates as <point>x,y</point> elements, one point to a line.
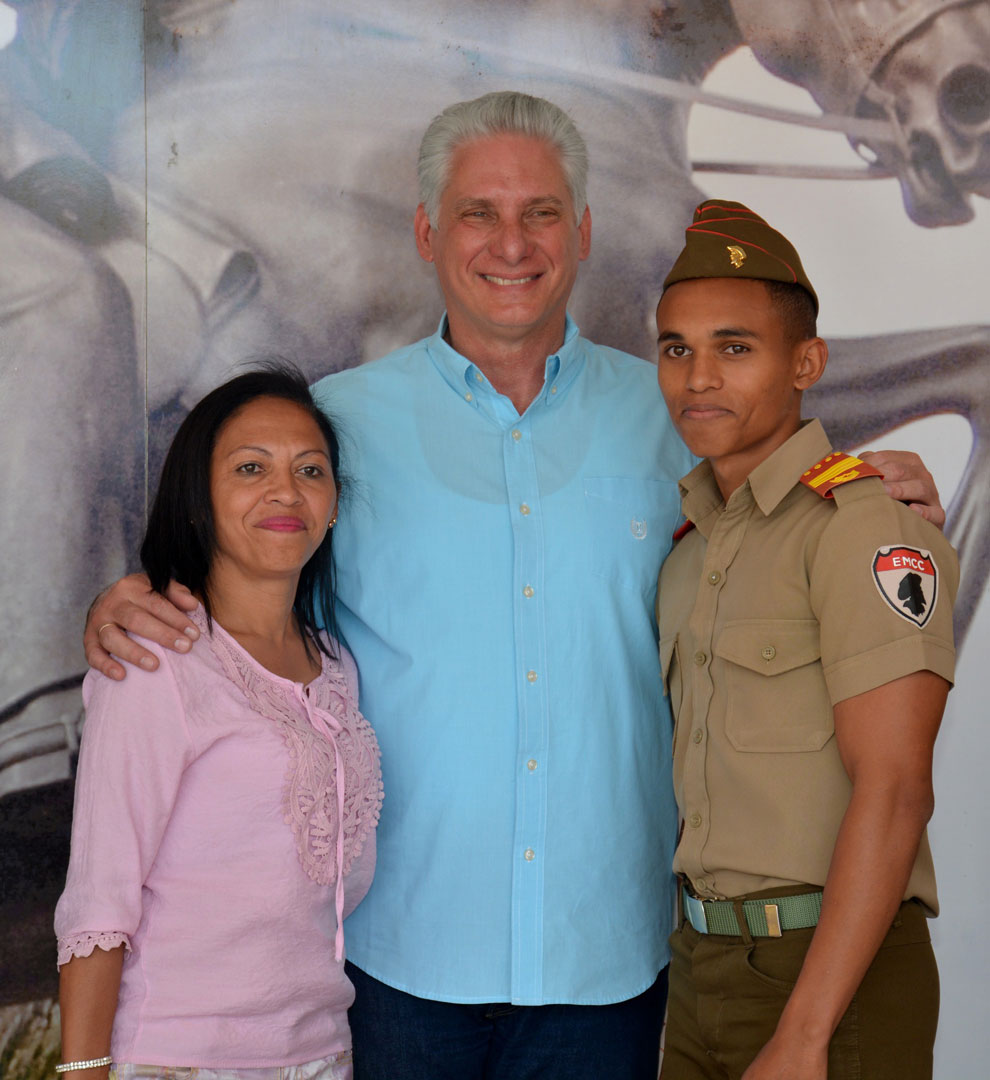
<point>906,479</point>
<point>129,606</point>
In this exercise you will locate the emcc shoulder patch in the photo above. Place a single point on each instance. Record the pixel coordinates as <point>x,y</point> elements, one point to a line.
<point>907,579</point>
<point>835,469</point>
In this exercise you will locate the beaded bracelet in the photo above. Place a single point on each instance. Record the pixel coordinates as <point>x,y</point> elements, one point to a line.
<point>69,1066</point>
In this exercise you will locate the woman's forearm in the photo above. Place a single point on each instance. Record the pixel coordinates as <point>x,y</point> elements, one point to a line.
<point>88,987</point>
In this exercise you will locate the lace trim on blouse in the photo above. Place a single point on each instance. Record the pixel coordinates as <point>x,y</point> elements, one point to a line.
<point>310,722</point>
<point>84,944</point>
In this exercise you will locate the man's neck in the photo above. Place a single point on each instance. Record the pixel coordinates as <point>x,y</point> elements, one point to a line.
<point>733,471</point>
<point>516,369</point>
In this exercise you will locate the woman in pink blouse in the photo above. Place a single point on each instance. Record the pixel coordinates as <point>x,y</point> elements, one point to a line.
<point>226,803</point>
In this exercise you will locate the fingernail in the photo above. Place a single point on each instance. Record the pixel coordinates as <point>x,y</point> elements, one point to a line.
<point>147,663</point>
<point>192,632</point>
<point>182,644</point>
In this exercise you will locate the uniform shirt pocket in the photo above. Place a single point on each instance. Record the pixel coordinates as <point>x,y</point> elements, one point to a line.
<point>775,692</point>
<point>631,521</point>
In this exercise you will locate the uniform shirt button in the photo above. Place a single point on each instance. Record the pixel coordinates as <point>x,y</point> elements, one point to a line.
<point>529,854</point>
<point>532,676</point>
<point>469,396</point>
<point>700,658</point>
<point>528,591</point>
<point>769,652</point>
<point>714,577</point>
<point>516,434</point>
<point>479,376</point>
<point>524,508</point>
<point>531,764</point>
<point>697,735</point>
<point>553,389</point>
<point>694,820</point>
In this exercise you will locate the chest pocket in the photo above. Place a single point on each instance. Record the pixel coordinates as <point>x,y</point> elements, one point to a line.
<point>776,697</point>
<point>631,521</point>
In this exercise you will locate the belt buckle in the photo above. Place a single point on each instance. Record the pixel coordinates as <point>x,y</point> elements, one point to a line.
<point>772,914</point>
<point>695,911</point>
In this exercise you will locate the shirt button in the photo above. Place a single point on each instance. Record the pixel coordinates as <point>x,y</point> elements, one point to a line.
<point>769,652</point>
<point>694,820</point>
<point>700,658</point>
<point>529,592</point>
<point>469,396</point>
<point>516,434</point>
<point>697,735</point>
<point>553,389</point>
<point>531,764</point>
<point>529,854</point>
<point>523,509</point>
<point>532,676</point>
<point>714,577</point>
<point>479,376</point>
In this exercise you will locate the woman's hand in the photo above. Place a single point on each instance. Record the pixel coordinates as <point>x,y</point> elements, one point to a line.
<point>130,606</point>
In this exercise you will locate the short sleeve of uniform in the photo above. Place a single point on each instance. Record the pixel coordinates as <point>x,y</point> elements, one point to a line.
<point>883,581</point>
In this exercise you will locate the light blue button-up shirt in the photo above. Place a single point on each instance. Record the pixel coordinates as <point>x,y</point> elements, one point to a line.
<point>496,579</point>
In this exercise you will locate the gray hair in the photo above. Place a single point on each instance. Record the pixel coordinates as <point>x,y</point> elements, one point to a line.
<point>505,112</point>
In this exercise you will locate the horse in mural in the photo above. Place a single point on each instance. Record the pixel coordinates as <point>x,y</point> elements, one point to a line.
<point>254,194</point>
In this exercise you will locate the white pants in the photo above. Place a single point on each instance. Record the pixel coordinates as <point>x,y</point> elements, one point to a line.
<point>335,1067</point>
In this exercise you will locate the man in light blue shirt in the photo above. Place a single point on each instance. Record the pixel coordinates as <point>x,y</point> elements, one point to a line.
<point>496,577</point>
<point>515,491</point>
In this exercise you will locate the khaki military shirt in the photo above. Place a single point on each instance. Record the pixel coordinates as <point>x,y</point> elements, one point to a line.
<point>779,604</point>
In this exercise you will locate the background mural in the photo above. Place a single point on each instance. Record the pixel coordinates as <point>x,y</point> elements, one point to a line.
<point>187,183</point>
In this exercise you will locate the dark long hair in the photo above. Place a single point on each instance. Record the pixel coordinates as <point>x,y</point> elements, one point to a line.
<point>180,541</point>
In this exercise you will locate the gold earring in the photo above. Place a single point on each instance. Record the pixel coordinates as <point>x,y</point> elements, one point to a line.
<point>333,521</point>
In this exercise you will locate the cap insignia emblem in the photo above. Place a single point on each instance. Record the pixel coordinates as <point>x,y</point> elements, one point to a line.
<point>736,255</point>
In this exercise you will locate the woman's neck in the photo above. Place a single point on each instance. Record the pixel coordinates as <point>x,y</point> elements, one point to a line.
<point>259,616</point>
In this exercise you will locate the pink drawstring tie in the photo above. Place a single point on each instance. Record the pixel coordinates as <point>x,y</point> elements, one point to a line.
<point>330,731</point>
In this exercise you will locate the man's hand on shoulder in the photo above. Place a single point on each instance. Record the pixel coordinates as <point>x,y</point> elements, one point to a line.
<point>906,479</point>
<point>129,606</point>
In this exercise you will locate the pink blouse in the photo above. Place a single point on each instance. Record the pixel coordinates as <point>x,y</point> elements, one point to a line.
<point>215,804</point>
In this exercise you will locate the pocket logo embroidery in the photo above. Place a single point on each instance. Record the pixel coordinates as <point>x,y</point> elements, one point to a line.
<point>907,578</point>
<point>638,528</point>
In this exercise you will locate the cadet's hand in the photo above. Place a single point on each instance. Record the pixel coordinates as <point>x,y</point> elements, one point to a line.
<point>906,479</point>
<point>131,605</point>
<point>783,1060</point>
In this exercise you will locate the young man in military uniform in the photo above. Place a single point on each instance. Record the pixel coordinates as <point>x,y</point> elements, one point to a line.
<point>806,642</point>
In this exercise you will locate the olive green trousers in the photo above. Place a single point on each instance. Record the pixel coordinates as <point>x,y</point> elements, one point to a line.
<point>726,995</point>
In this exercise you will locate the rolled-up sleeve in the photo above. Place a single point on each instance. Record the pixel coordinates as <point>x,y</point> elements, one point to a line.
<point>135,747</point>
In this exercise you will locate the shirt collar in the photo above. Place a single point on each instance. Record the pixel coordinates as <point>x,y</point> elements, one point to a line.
<point>462,375</point>
<point>769,482</point>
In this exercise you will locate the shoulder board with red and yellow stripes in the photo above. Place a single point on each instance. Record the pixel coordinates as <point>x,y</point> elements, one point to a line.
<point>835,469</point>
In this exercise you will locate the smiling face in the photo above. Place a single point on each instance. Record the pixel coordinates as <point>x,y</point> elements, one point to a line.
<point>731,374</point>
<point>272,491</point>
<point>506,244</point>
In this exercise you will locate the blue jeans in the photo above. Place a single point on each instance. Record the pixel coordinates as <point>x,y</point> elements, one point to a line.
<point>401,1037</point>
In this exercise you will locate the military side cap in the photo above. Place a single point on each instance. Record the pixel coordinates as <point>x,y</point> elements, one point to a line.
<point>727,240</point>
